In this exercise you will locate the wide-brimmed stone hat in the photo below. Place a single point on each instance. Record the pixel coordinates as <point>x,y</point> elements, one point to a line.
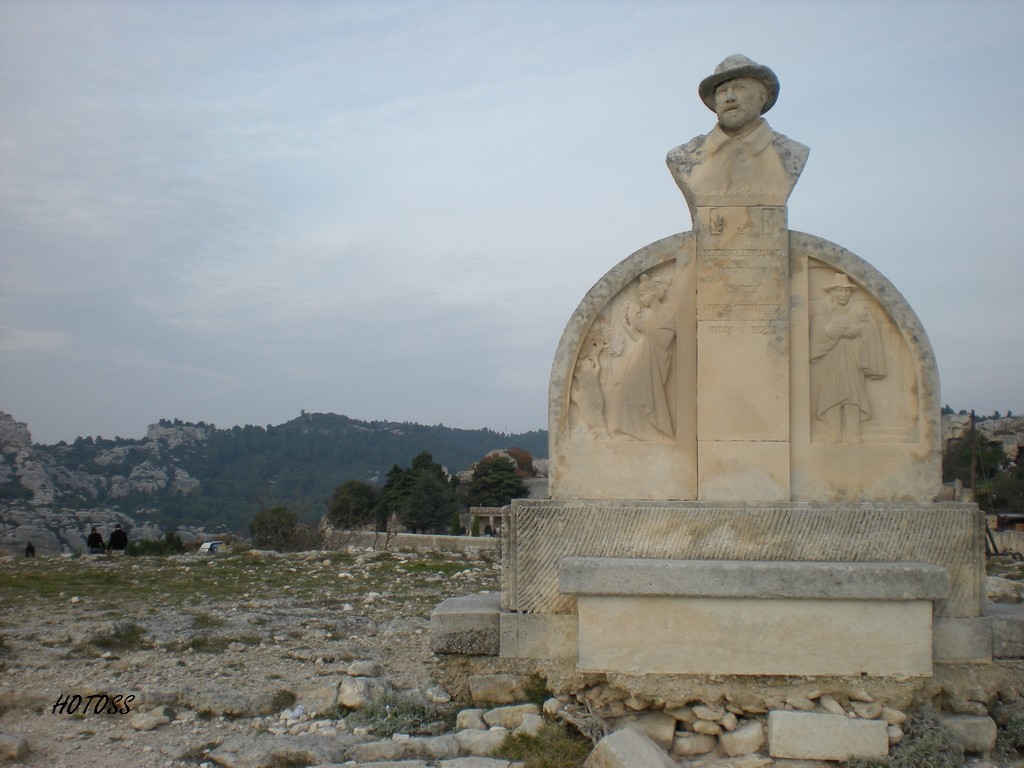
<point>738,65</point>
<point>840,280</point>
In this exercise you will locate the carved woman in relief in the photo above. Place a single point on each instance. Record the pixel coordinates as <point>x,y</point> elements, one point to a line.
<point>586,391</point>
<point>846,343</point>
<point>644,412</point>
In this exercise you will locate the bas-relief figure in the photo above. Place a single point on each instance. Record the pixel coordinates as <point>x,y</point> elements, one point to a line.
<point>621,385</point>
<point>644,412</point>
<point>847,346</point>
<point>742,161</point>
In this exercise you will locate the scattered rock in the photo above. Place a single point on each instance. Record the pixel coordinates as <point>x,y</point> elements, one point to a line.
<point>13,747</point>
<point>510,717</point>
<point>628,748</point>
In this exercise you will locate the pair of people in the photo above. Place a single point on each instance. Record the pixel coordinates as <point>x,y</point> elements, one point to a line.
<point>118,541</point>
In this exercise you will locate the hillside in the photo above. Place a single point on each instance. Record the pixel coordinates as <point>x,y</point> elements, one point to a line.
<point>197,474</point>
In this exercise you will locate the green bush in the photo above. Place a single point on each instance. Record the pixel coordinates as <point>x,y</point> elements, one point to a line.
<point>170,544</point>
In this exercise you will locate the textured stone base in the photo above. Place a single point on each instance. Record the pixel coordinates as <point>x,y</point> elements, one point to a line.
<point>1007,622</point>
<point>753,617</point>
<point>962,641</point>
<point>467,625</point>
<point>810,736</point>
<point>539,534</point>
<point>744,636</point>
<point>539,636</point>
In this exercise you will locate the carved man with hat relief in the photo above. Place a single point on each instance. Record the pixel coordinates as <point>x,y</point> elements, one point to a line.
<point>847,346</point>
<point>742,162</point>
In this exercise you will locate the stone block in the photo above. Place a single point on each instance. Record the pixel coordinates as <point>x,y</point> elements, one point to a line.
<point>530,726</point>
<point>813,736</point>
<point>697,616</point>
<point>538,636</point>
<point>13,747</point>
<point>470,719</point>
<point>317,697</point>
<point>745,740</point>
<point>757,579</point>
<point>482,743</point>
<point>962,641</point>
<point>510,717</point>
<point>689,744</point>
<point>628,748</point>
<point>496,689</point>
<point>659,727</point>
<point>467,625</point>
<point>975,734</point>
<point>1007,623</point>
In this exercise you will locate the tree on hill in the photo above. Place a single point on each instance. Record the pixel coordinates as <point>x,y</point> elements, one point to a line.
<point>280,529</point>
<point>421,497</point>
<point>352,504</point>
<point>496,481</point>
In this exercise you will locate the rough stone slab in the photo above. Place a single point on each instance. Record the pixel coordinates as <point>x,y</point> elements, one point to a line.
<point>659,727</point>
<point>1007,622</point>
<point>745,740</point>
<point>975,734</point>
<point>538,635</point>
<point>489,690</point>
<point>13,747</point>
<point>510,717</point>
<point>467,625</point>
<point>962,641</point>
<point>747,636</point>
<point>538,534</point>
<point>628,748</point>
<point>482,743</point>
<point>754,579</point>
<point>812,736</point>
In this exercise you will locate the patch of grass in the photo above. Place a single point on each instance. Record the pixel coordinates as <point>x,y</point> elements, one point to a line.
<point>208,643</point>
<point>925,744</point>
<point>1010,739</point>
<point>394,713</point>
<point>444,567</point>
<point>554,746</point>
<point>282,699</point>
<point>206,621</point>
<point>123,637</point>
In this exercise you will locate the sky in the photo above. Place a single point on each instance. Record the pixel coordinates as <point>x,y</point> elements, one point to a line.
<point>232,212</point>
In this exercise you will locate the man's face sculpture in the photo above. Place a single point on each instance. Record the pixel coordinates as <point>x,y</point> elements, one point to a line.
<point>738,102</point>
<point>842,295</point>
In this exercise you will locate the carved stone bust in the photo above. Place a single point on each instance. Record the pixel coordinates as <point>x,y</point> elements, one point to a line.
<point>742,161</point>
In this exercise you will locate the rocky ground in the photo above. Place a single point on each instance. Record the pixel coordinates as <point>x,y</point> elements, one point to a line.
<point>227,643</point>
<point>240,660</point>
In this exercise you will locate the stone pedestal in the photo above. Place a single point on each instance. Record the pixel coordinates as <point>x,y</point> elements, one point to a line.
<point>743,353</point>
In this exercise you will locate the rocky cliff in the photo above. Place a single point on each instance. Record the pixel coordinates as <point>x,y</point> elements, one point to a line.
<point>183,475</point>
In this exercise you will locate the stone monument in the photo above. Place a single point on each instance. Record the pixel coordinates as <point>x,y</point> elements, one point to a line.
<point>745,455</point>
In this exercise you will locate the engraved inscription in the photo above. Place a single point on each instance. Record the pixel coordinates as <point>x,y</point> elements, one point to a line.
<point>743,253</point>
<point>770,329</point>
<point>726,329</point>
<point>752,271</point>
<point>761,309</point>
